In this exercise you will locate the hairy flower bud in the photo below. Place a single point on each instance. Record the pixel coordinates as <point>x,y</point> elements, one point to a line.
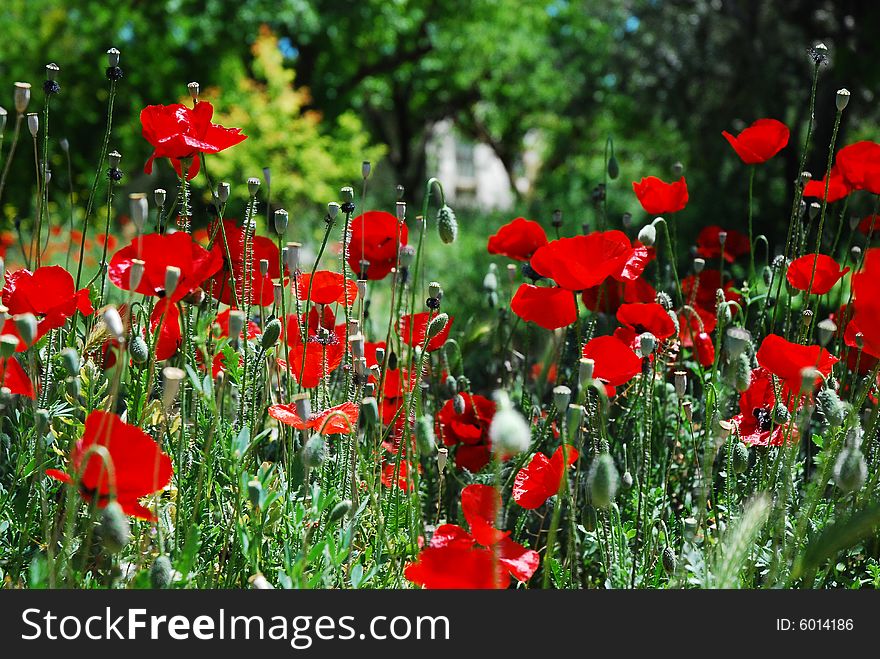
<point>26,324</point>
<point>161,573</point>
<point>740,457</point>
<point>447,225</point>
<point>271,333</point>
<point>602,480</point>
<point>138,350</point>
<point>850,469</point>
<point>648,235</point>
<point>114,324</point>
<point>437,325</point>
<point>115,531</point>
<point>313,452</point>
<point>509,432</point>
<point>669,560</point>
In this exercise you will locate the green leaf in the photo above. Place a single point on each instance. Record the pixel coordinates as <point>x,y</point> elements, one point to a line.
<point>837,537</point>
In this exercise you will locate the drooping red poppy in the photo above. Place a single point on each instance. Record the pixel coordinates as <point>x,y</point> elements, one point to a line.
<point>614,362</point>
<point>374,238</point>
<point>607,297</point>
<point>327,288</point>
<point>484,558</point>
<point>709,245</point>
<point>337,420</point>
<point>760,141</point>
<point>158,252</point>
<point>322,355</point>
<point>866,306</point>
<point>660,198</point>
<point>704,349</point>
<point>518,239</point>
<point>228,283</point>
<point>48,293</point>
<point>13,377</point>
<point>859,165</point>
<point>469,431</point>
<point>583,262</point>
<point>540,480</point>
<point>647,317</point>
<point>178,132</point>
<point>869,225</point>
<point>786,360</point>
<point>693,323</point>
<point>827,273</point>
<point>754,423</point>
<point>140,467</point>
<point>838,188</point>
<point>412,328</point>
<point>549,308</point>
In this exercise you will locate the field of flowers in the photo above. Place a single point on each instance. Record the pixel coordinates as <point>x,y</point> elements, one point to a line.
<point>198,395</point>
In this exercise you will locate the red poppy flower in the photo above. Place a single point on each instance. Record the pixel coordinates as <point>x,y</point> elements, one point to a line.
<point>704,349</point>
<point>13,377</point>
<point>179,132</point>
<point>760,141</point>
<point>647,317</point>
<point>518,239</point>
<point>221,322</point>
<point>140,467</point>
<point>403,481</point>
<point>220,286</point>
<point>327,288</point>
<point>549,308</point>
<point>692,324</point>
<point>838,188</point>
<point>328,422</point>
<point>614,362</point>
<point>158,252</point>
<point>859,165</point>
<point>454,559</point>
<point>702,291</point>
<point>827,273</point>
<point>866,306</point>
<point>49,293</point>
<point>469,431</point>
<point>607,297</point>
<point>786,360</point>
<point>658,197</point>
<point>870,225</point>
<point>7,240</point>
<point>709,246</point>
<point>755,425</point>
<point>412,329</point>
<point>322,355</point>
<point>583,262</point>
<point>374,238</point>
<point>170,335</point>
<point>319,316</point>
<point>540,480</point>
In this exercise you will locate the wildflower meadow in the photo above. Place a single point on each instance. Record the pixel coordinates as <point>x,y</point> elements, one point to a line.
<point>202,389</point>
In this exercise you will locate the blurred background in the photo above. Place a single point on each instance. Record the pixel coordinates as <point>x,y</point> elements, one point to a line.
<point>511,103</point>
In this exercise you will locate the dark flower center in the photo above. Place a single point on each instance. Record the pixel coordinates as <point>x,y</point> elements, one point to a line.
<point>763,418</point>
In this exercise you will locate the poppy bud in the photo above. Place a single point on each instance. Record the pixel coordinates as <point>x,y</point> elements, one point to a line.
<point>3,116</point>
<point>842,99</point>
<point>138,350</point>
<point>313,452</point>
<point>648,235</point>
<point>73,387</point>
<point>736,341</point>
<point>253,186</point>
<point>193,89</point>
<point>490,281</point>
<point>437,325</point>
<point>369,414</point>
<point>447,225</point>
<point>161,572</point>
<point>699,265</point>
<point>255,492</point>
<point>136,273</point>
<point>669,560</point>
<point>271,332</point>
<point>855,253</point>
<point>41,421</point>
<point>613,168</point>
<point>172,277</point>
<point>509,432</point>
<point>281,220</point>
<point>458,404</point>
<point>341,509</point>
<point>602,481</point>
<point>33,123</point>
<point>832,409</point>
<point>740,457</point>
<point>22,96</point>
<point>826,329</point>
<point>742,376</point>
<point>626,480</point>
<point>780,414</point>
<point>113,321</point>
<point>138,209</point>
<point>172,377</point>
<point>561,397</point>
<point>425,434</point>
<point>850,470</point>
<point>71,361</point>
<point>26,324</point>
<point>809,376</point>
<point>680,383</point>
<point>115,530</point>
<point>223,190</point>
<point>647,344</point>
<point>113,57</point>
<point>442,457</point>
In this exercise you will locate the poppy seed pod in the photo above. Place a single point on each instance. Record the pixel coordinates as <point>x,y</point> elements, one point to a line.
<point>447,225</point>
<point>22,96</point>
<point>648,235</point>
<point>407,255</point>
<point>193,88</point>
<point>425,434</point>
<point>115,530</point>
<point>699,265</point>
<point>33,123</point>
<point>677,169</point>
<point>313,452</point>
<point>357,342</point>
<point>400,211</point>
<point>172,377</point>
<point>303,405</point>
<point>442,458</point>
<point>826,329</point>
<point>113,321</point>
<point>369,414</point>
<point>113,159</point>
<point>561,397</point>
<point>223,190</point>
<point>557,218</point>
<point>172,278</point>
<point>680,383</point>
<point>602,480</point>
<point>855,253</point>
<point>647,344</point>
<point>437,325</point>
<point>722,238</point>
<point>253,186</point>
<point>842,99</point>
<point>159,196</point>
<point>365,169</point>
<point>291,259</point>
<point>362,288</point>
<point>138,350</point>
<point>8,345</point>
<point>281,220</point>
<point>509,432</point>
<point>138,209</point>
<point>814,209</point>
<point>332,210</point>
<point>26,324</point>
<point>626,220</point>
<point>264,267</point>
<point>819,54</point>
<point>347,194</point>
<point>136,273</point>
<point>113,56</point>
<point>736,341</point>
<point>161,572</point>
<point>585,370</point>
<point>3,117</point>
<point>271,333</point>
